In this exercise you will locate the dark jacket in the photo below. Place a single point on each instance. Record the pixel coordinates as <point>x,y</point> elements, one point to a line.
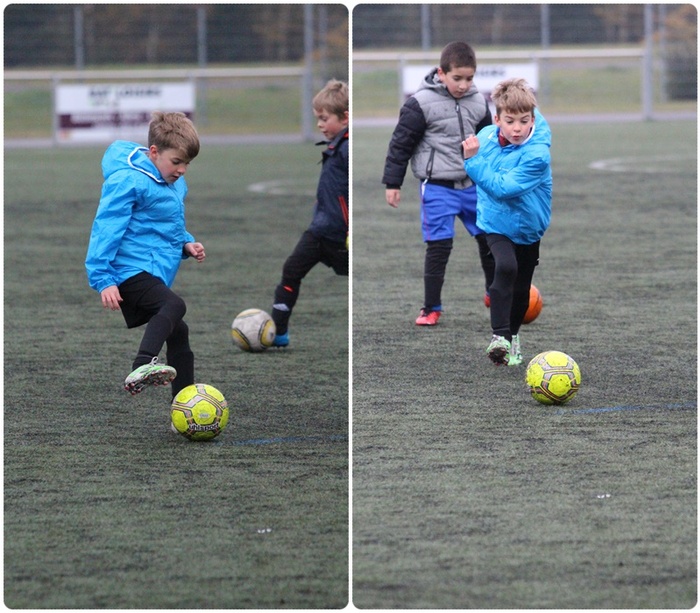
<point>331,211</point>
<point>431,127</point>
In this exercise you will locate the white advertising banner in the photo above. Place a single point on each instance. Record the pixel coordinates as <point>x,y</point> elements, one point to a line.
<point>105,112</point>
<point>487,76</point>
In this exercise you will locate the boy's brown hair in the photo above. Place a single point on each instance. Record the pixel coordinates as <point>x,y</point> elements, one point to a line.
<point>173,131</point>
<point>333,98</point>
<point>457,55</point>
<point>514,96</point>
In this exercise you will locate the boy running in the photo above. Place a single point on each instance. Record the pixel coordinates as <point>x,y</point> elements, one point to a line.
<point>510,163</point>
<point>432,123</point>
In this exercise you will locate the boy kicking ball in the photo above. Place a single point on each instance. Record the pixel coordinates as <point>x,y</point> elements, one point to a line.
<point>511,165</point>
<point>325,241</point>
<point>137,242</point>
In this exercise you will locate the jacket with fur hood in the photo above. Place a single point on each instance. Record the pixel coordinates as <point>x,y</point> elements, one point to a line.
<point>140,220</point>
<point>432,124</point>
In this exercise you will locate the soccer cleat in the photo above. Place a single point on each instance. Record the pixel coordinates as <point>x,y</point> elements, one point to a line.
<point>281,340</point>
<point>428,318</point>
<point>487,300</point>
<point>498,350</point>
<point>149,374</point>
<point>515,356</point>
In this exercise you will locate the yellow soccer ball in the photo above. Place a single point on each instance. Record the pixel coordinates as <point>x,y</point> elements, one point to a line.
<point>199,412</point>
<point>553,377</point>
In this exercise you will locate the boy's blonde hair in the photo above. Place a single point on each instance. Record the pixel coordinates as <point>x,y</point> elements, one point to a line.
<point>333,98</point>
<point>173,131</point>
<point>514,96</point>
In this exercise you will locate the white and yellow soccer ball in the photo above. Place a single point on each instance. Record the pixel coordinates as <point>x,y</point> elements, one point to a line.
<point>199,412</point>
<point>553,377</point>
<point>253,330</point>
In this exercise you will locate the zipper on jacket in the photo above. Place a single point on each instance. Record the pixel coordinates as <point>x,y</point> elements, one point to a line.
<point>429,167</point>
<point>461,121</point>
<point>461,127</point>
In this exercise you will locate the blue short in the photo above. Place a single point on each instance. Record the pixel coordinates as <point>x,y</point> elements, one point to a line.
<point>439,207</point>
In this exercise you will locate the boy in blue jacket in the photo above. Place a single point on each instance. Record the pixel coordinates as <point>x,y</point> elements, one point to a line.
<point>326,239</point>
<point>511,166</point>
<point>137,242</point>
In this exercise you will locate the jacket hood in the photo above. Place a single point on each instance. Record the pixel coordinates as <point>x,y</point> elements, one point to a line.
<point>125,155</point>
<point>432,81</point>
<point>541,133</point>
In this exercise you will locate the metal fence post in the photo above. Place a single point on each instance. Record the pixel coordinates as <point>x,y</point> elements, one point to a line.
<point>78,37</point>
<point>647,63</point>
<point>308,78</point>
<point>54,116</point>
<point>201,84</point>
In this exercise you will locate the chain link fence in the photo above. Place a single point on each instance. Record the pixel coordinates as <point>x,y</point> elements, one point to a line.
<point>590,57</point>
<point>288,52</point>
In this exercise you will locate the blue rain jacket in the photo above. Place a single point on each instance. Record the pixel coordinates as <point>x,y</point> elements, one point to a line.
<point>514,184</point>
<point>140,221</point>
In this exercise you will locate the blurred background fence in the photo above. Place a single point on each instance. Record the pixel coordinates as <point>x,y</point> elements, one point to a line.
<point>256,67</point>
<point>633,59</point>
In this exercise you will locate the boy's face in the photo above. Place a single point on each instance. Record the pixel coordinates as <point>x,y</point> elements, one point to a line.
<point>171,163</point>
<point>515,127</point>
<point>457,80</point>
<point>331,124</point>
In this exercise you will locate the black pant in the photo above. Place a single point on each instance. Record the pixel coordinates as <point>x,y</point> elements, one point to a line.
<point>437,254</point>
<point>146,299</point>
<point>510,290</point>
<point>309,251</point>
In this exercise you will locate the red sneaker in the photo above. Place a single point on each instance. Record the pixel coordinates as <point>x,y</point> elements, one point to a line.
<point>428,318</point>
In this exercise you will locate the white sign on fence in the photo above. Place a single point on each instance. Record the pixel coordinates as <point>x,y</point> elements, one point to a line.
<point>487,76</point>
<point>105,112</point>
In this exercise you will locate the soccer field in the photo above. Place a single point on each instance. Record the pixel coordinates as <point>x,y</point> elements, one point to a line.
<point>466,492</point>
<point>105,507</point>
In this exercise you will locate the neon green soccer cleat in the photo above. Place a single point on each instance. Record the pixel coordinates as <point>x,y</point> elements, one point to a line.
<point>515,356</point>
<point>149,374</point>
<point>498,350</point>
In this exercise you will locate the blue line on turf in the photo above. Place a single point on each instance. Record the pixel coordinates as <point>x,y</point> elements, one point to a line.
<point>639,407</point>
<point>292,439</point>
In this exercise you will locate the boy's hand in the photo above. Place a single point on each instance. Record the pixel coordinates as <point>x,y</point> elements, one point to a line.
<point>111,297</point>
<point>393,197</point>
<point>196,250</point>
<point>470,146</point>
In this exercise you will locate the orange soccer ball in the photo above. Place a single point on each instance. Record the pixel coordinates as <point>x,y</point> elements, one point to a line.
<point>535,307</point>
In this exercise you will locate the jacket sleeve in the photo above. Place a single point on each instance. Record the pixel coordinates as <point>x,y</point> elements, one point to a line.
<point>119,195</point>
<point>342,182</point>
<point>511,183</point>
<point>407,134</point>
<point>485,121</point>
<point>189,238</point>
<point>344,151</point>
